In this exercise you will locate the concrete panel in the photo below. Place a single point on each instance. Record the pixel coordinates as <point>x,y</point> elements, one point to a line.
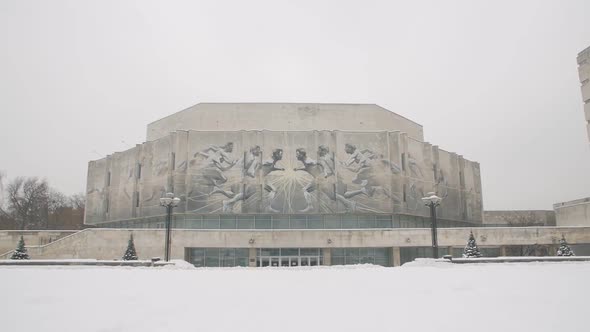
<point>124,168</point>
<point>472,191</point>
<point>283,117</point>
<point>364,173</point>
<point>10,239</point>
<point>586,92</point>
<point>395,165</point>
<point>573,213</point>
<point>96,194</point>
<point>448,185</point>
<point>155,159</point>
<point>420,175</point>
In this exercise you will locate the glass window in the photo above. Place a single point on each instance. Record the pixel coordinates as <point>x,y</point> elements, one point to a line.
<point>366,221</point>
<point>194,223</point>
<point>337,252</point>
<point>298,222</point>
<point>351,260</point>
<point>227,222</point>
<point>332,222</point>
<point>309,252</point>
<point>263,222</point>
<point>242,252</point>
<point>349,222</point>
<point>197,252</point>
<point>289,252</point>
<point>241,261</point>
<point>211,222</point>
<point>212,252</point>
<point>212,261</point>
<point>382,221</point>
<point>280,222</point>
<point>269,252</point>
<point>315,222</point>
<point>245,222</point>
<point>337,260</point>
<point>228,252</point>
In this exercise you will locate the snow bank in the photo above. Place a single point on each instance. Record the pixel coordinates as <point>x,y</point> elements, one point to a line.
<point>423,296</point>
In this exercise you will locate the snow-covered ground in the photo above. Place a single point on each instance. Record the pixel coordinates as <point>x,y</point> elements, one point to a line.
<point>422,296</point>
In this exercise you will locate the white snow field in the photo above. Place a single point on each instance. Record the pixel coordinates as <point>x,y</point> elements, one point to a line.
<point>422,296</point>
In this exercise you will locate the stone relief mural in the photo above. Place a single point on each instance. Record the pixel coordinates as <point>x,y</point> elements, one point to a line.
<point>214,179</point>
<point>154,161</point>
<point>317,172</point>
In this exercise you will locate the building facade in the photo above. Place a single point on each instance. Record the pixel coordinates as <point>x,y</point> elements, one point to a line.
<point>273,167</point>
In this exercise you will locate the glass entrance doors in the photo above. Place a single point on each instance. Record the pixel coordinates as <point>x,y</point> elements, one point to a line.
<point>288,257</point>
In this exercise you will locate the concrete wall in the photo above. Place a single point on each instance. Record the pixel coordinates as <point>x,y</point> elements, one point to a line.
<point>111,243</point>
<point>573,213</point>
<point>520,217</point>
<point>283,172</point>
<point>9,239</point>
<point>584,73</point>
<point>283,117</point>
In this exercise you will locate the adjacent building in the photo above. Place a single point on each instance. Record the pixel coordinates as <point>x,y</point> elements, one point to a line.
<point>584,73</point>
<point>577,212</point>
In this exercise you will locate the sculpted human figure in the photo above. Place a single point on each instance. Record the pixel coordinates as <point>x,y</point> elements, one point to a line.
<point>218,160</point>
<point>311,167</point>
<point>326,161</point>
<point>252,161</point>
<point>269,166</point>
<point>233,197</point>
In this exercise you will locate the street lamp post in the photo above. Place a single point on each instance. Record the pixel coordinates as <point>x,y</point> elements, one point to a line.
<point>432,201</point>
<point>169,202</point>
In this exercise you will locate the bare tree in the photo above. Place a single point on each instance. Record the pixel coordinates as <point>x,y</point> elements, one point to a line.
<point>28,200</point>
<point>78,201</point>
<point>78,204</point>
<point>56,206</point>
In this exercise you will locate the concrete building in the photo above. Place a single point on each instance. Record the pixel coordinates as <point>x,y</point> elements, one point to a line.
<point>577,212</point>
<point>287,167</point>
<point>519,218</point>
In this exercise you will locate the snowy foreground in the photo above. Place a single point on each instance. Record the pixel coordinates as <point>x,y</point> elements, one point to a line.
<point>423,296</point>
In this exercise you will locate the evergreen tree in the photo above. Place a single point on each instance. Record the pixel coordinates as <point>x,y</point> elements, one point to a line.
<point>564,249</point>
<point>20,252</point>
<point>471,250</point>
<point>130,254</point>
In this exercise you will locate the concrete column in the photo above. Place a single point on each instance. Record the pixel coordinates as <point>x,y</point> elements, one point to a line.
<point>396,259</point>
<point>327,253</point>
<point>252,257</point>
<point>503,251</point>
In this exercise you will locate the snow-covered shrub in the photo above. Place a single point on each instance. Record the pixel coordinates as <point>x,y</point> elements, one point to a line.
<point>471,250</point>
<point>130,253</point>
<point>20,252</point>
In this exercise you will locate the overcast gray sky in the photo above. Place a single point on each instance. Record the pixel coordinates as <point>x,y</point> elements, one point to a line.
<point>495,81</point>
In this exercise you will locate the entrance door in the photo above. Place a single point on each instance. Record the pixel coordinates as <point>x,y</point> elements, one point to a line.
<point>314,261</point>
<point>285,262</point>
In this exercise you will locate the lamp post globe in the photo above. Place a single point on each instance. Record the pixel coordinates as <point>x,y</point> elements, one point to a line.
<point>432,201</point>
